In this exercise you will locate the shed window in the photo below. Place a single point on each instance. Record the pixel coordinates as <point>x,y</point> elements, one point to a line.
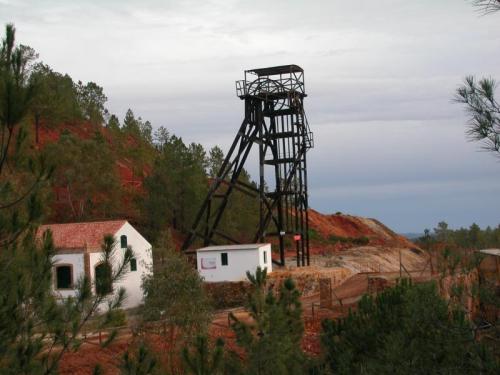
<point>103,275</point>
<point>133,264</point>
<point>123,242</point>
<point>64,277</point>
<point>223,259</point>
<point>265,257</point>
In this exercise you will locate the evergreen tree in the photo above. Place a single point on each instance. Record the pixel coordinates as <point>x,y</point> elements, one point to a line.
<point>407,329</point>
<point>176,186</point>
<point>272,340</point>
<point>161,137</point>
<point>130,124</point>
<point>85,176</point>
<point>200,361</point>
<point>480,100</point>
<point>56,100</point>
<point>441,231</point>
<point>35,330</point>
<point>174,294</point>
<point>242,212</point>
<point>463,238</point>
<point>142,362</point>
<point>146,131</point>
<point>91,100</point>
<point>113,123</point>
<point>20,183</point>
<point>215,160</point>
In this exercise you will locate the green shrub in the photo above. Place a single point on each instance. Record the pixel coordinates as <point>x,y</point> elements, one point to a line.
<point>363,240</point>
<point>116,318</point>
<point>225,295</point>
<point>334,239</point>
<point>408,329</point>
<point>314,235</point>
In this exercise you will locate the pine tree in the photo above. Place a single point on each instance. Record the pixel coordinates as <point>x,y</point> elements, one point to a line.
<point>174,295</point>
<point>200,360</point>
<point>176,186</point>
<point>56,100</point>
<point>85,169</point>
<point>91,100</point>
<point>480,99</point>
<point>215,160</point>
<point>19,198</point>
<point>142,362</point>
<point>408,329</point>
<point>272,340</point>
<point>130,124</point>
<point>35,329</point>
<point>113,123</point>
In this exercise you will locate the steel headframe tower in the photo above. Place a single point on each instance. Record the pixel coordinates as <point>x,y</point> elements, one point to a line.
<point>276,123</point>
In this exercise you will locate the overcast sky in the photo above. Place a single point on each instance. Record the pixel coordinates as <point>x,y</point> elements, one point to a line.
<point>380,76</point>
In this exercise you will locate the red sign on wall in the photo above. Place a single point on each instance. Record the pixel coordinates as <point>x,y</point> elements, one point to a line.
<point>296,237</point>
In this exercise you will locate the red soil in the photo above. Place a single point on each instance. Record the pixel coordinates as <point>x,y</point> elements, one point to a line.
<point>347,226</point>
<point>131,175</point>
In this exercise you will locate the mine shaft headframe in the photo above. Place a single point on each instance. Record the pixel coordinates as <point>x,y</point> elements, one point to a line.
<point>273,82</point>
<point>275,121</point>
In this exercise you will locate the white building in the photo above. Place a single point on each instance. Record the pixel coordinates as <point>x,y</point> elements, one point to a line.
<point>79,253</point>
<point>231,262</point>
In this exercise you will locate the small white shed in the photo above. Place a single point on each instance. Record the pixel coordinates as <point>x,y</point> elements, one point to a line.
<point>231,262</point>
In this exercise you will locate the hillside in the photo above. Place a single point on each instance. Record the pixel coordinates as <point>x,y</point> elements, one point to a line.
<point>85,131</point>
<point>328,232</point>
<point>95,166</point>
<point>341,231</point>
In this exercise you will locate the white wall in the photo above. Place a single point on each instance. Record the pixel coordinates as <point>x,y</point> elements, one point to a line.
<point>132,279</point>
<point>76,260</point>
<point>239,262</point>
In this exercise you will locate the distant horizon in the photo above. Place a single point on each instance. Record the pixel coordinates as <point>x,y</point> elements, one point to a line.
<point>390,141</point>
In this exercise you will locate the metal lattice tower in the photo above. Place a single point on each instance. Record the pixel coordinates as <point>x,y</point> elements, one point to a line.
<point>276,123</point>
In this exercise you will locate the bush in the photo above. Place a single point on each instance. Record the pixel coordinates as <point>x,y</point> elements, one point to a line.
<point>408,329</point>
<point>363,240</point>
<point>227,295</point>
<point>314,235</point>
<point>116,318</point>
<point>334,239</point>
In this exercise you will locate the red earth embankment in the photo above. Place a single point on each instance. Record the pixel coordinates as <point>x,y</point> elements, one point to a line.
<point>328,228</point>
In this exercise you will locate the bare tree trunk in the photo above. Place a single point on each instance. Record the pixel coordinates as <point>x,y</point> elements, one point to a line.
<point>171,349</point>
<point>37,129</point>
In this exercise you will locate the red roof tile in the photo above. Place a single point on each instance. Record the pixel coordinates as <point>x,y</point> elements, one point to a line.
<point>81,235</point>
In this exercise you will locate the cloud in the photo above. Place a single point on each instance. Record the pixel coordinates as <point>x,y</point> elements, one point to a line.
<point>380,78</point>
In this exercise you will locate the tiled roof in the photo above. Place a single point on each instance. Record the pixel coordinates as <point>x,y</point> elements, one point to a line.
<point>81,235</point>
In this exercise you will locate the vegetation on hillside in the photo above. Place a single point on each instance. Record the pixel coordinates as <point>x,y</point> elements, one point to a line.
<point>464,238</point>
<point>36,330</point>
<point>106,168</point>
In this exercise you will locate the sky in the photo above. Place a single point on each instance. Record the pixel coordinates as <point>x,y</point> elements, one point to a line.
<point>380,76</point>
